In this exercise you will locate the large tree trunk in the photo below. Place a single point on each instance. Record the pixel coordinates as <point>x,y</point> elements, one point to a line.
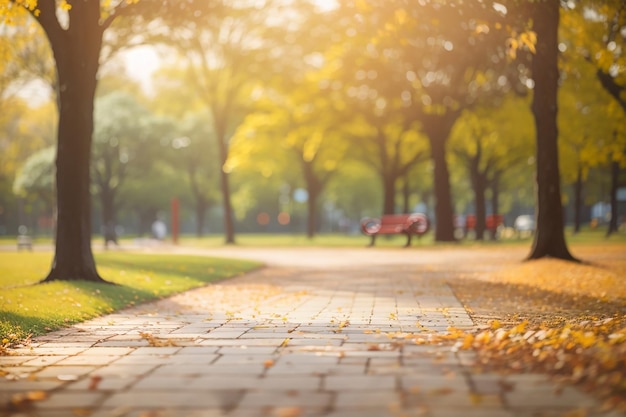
<point>437,128</point>
<point>549,237</point>
<point>578,199</point>
<point>614,186</point>
<point>76,51</point>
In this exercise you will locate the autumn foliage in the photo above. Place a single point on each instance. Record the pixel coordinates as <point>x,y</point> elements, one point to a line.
<point>550,316</point>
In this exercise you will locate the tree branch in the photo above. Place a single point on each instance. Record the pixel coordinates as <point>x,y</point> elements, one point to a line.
<point>47,18</point>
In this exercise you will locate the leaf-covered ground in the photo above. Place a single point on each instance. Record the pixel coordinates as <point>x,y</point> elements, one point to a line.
<point>562,318</point>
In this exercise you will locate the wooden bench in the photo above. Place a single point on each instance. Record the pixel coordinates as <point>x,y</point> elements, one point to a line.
<point>393,224</point>
<point>24,241</point>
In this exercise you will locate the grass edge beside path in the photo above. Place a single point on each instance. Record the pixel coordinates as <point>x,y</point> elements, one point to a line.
<point>29,309</point>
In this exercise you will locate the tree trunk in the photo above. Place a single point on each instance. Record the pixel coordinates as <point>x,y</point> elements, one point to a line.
<point>406,194</point>
<point>495,200</point>
<point>311,221</point>
<point>389,194</point>
<point>107,200</point>
<point>229,225</point>
<point>76,51</point>
<point>549,238</point>
<point>437,128</point>
<point>201,206</point>
<point>578,199</point>
<point>479,185</point>
<point>314,187</point>
<point>612,87</point>
<point>614,186</point>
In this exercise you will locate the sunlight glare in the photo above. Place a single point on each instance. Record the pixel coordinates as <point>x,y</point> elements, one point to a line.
<point>325,5</point>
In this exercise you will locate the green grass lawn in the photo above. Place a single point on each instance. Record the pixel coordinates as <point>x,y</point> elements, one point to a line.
<point>586,235</point>
<point>28,308</point>
<point>213,240</point>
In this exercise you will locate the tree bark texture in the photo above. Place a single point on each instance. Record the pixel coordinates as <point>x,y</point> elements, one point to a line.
<point>76,51</point>
<point>437,128</point>
<point>314,188</point>
<point>495,199</point>
<point>200,202</point>
<point>406,195</point>
<point>612,87</point>
<point>107,200</point>
<point>389,194</point>
<point>578,199</point>
<point>201,206</point>
<point>479,185</point>
<point>549,240</point>
<point>229,222</point>
<point>615,168</point>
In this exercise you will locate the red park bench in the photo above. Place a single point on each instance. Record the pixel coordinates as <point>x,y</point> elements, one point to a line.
<point>393,224</point>
<point>492,222</point>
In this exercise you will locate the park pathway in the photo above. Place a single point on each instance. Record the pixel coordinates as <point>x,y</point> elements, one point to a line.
<point>318,332</point>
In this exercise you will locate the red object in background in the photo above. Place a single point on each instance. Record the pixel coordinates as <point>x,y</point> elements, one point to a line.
<point>493,221</point>
<point>470,222</point>
<point>175,221</point>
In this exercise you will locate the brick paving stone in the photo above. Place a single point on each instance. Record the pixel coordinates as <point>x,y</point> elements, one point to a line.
<point>126,370</point>
<point>152,350</point>
<point>77,399</point>
<point>363,383</point>
<point>26,384</point>
<point>465,412</point>
<point>6,361</point>
<point>88,360</point>
<point>164,383</point>
<point>106,351</point>
<point>287,382</point>
<point>287,398</point>
<point>102,382</point>
<point>48,349</point>
<point>228,382</point>
<point>366,412</point>
<point>372,398</point>
<point>212,399</point>
<point>144,360</point>
<point>40,361</point>
<point>329,339</point>
<point>55,371</point>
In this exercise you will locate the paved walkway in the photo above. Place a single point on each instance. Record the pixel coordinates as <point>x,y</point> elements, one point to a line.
<point>316,333</point>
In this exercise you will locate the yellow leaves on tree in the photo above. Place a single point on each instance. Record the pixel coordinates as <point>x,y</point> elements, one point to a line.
<point>525,40</point>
